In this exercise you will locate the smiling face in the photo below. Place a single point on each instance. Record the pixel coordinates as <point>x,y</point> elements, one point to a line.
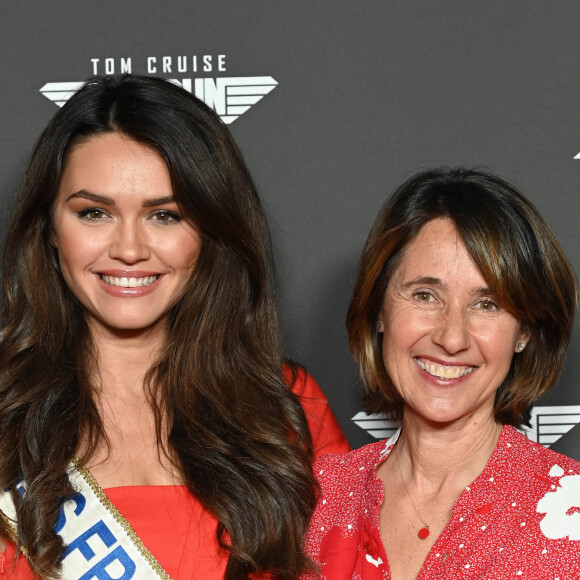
<point>124,249</point>
<point>447,343</point>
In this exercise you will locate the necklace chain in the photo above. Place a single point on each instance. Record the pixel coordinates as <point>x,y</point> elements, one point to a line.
<point>424,531</point>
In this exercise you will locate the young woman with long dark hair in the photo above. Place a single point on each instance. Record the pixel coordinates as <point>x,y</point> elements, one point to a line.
<point>146,424</point>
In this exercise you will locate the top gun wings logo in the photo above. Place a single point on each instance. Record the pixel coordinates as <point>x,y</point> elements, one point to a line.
<point>230,97</point>
<point>548,423</point>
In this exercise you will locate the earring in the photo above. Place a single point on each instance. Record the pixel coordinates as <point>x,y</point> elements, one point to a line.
<point>521,346</point>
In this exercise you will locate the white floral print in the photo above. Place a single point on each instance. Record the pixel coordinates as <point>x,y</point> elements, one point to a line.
<point>562,508</point>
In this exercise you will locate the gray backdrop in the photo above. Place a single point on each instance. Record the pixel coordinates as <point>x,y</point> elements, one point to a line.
<point>357,95</point>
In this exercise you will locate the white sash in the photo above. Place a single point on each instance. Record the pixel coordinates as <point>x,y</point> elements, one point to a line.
<point>101,544</point>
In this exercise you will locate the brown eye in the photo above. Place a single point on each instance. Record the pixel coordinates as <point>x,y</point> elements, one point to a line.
<point>423,296</point>
<point>487,305</point>
<point>165,216</point>
<point>91,214</point>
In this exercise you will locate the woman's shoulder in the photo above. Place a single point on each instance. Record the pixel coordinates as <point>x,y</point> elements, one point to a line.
<point>538,509</point>
<point>327,435</point>
<point>354,467</point>
<point>537,457</point>
<point>350,491</point>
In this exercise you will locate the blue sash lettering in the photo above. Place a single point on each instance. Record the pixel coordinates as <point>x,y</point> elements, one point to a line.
<point>80,501</point>
<point>111,555</point>
<point>100,529</point>
<point>118,554</point>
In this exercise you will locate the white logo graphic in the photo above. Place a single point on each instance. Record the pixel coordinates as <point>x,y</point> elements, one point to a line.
<point>548,424</point>
<point>376,425</point>
<point>562,507</point>
<point>230,97</point>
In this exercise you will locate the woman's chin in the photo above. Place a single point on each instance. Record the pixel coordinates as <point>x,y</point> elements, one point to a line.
<point>446,416</point>
<point>127,328</point>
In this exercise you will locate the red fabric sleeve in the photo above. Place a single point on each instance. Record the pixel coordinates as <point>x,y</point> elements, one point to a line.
<point>327,435</point>
<point>10,571</point>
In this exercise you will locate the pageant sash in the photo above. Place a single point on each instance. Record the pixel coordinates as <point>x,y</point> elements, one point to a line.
<point>100,543</point>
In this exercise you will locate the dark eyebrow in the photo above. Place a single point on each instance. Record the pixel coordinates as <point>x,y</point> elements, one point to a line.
<point>159,201</point>
<point>430,281</point>
<point>83,193</point>
<point>104,200</point>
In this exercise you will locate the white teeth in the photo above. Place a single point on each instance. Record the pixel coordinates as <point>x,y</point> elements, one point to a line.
<point>444,372</point>
<point>125,282</point>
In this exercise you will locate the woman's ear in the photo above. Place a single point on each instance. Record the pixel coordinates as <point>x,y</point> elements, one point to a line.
<point>522,341</point>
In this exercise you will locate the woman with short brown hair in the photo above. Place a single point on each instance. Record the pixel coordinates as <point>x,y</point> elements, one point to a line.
<point>460,319</point>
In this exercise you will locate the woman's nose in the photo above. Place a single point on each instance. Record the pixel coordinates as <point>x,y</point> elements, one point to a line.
<point>452,330</point>
<point>129,243</point>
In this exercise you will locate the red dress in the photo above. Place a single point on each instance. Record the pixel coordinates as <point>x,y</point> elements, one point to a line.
<point>174,526</point>
<point>519,519</point>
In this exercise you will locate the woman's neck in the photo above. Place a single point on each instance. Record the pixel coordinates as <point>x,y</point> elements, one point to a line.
<point>433,456</point>
<point>123,360</point>
<point>133,453</point>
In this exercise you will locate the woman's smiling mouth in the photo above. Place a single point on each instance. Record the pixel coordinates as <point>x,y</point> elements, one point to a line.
<point>443,371</point>
<point>129,282</point>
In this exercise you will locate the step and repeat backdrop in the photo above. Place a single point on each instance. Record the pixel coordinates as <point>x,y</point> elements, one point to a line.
<point>334,104</point>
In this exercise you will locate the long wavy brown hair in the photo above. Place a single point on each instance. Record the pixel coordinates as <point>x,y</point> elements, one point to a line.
<point>223,413</point>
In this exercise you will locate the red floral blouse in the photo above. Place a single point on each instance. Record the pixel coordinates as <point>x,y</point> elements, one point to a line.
<point>519,519</point>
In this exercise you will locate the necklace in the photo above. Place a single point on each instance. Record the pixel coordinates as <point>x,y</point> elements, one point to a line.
<point>423,533</point>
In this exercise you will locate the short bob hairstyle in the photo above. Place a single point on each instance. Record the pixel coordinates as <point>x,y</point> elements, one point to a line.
<point>515,251</point>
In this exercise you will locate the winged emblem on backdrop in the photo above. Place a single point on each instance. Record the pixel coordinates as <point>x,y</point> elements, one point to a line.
<point>548,423</point>
<point>230,97</point>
